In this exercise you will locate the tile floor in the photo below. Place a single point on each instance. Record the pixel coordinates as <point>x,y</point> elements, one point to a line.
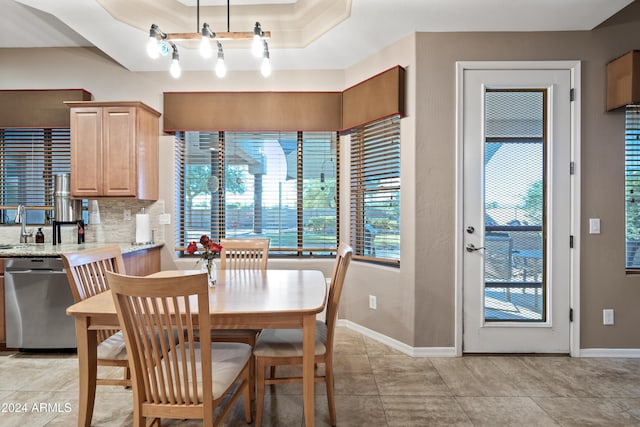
<point>375,386</point>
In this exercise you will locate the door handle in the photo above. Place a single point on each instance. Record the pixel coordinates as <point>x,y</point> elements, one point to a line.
<point>471,248</point>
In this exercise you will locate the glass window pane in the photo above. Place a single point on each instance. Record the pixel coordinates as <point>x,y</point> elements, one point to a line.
<point>375,189</point>
<point>29,160</point>
<point>270,190</point>
<point>514,168</point>
<point>319,191</point>
<point>632,186</point>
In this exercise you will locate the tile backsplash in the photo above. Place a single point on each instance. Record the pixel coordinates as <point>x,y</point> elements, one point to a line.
<point>112,228</point>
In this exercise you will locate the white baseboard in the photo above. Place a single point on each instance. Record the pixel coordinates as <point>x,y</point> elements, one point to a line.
<point>610,352</point>
<point>400,346</point>
<point>451,351</point>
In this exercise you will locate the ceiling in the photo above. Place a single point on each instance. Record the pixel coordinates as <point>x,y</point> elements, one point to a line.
<point>305,34</point>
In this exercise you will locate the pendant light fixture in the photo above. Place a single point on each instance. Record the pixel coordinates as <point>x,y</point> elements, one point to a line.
<point>159,44</point>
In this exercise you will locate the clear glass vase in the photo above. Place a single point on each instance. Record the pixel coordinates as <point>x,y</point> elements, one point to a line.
<point>209,267</point>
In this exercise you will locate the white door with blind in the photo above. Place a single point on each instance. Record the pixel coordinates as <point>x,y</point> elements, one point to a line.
<point>516,210</point>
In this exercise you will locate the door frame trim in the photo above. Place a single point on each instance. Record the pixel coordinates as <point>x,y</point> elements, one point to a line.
<point>574,269</point>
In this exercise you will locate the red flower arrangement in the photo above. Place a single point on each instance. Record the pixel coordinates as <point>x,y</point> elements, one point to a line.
<point>208,252</point>
<point>209,248</point>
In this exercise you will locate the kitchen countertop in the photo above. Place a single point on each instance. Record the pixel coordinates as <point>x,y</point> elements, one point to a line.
<point>50,250</point>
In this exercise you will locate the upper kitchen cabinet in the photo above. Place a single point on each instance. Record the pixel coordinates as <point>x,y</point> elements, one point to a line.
<point>623,80</point>
<point>114,150</point>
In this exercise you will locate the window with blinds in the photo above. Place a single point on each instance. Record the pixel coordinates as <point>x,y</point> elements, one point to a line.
<point>280,185</point>
<point>375,190</point>
<point>632,186</point>
<point>29,159</point>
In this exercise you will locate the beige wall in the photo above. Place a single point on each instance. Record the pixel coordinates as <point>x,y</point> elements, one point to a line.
<point>604,283</point>
<point>393,287</point>
<point>416,301</point>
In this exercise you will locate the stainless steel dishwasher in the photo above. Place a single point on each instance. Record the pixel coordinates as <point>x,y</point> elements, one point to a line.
<point>37,295</point>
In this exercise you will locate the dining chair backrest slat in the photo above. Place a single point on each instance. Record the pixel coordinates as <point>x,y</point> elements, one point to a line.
<point>244,254</point>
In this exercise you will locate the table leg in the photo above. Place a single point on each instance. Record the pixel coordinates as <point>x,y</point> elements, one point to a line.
<point>87,370</point>
<point>308,359</point>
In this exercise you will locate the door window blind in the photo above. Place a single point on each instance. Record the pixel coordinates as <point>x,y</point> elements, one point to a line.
<point>281,185</point>
<point>375,190</point>
<point>29,159</point>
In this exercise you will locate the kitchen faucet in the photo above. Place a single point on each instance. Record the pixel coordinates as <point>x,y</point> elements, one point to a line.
<point>21,218</point>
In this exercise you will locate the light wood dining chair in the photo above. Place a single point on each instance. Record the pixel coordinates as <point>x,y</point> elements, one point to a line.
<point>86,274</point>
<point>276,347</point>
<point>242,254</point>
<point>178,375</point>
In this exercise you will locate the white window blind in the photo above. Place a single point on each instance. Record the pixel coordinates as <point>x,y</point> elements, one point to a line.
<point>29,159</point>
<point>632,186</point>
<point>375,190</point>
<point>281,185</point>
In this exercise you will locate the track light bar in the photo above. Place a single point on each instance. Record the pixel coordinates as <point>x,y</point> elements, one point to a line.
<point>159,43</point>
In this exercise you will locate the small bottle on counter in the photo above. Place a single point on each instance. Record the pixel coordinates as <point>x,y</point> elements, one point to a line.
<point>39,236</point>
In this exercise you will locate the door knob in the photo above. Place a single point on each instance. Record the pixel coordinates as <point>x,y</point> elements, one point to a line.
<point>471,248</point>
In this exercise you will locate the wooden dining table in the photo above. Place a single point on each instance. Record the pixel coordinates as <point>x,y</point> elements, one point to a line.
<point>241,299</point>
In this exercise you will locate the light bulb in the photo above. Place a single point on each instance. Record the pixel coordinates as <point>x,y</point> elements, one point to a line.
<point>221,68</point>
<point>205,47</point>
<point>256,46</point>
<point>153,50</point>
<point>265,68</point>
<point>175,69</point>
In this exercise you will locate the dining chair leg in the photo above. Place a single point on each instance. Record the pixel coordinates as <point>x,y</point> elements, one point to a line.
<point>247,395</point>
<point>328,367</point>
<point>260,374</point>
<point>252,370</point>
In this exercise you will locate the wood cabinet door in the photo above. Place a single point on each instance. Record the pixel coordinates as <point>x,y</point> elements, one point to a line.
<point>86,152</point>
<point>119,157</point>
<point>142,263</point>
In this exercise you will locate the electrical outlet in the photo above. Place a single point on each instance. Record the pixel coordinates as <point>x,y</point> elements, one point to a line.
<point>607,316</point>
<point>372,302</point>
<point>164,219</point>
<point>126,215</point>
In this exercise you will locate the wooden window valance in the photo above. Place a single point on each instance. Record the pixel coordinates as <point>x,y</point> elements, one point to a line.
<point>38,108</point>
<point>258,111</point>
<point>375,98</point>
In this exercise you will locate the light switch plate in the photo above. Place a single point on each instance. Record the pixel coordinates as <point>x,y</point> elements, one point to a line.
<point>594,225</point>
<point>607,316</point>
<point>164,219</point>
